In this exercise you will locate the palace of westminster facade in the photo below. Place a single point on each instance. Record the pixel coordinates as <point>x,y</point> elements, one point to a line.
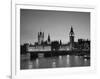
<point>42,45</point>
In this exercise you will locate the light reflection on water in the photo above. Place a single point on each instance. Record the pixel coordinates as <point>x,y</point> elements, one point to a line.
<point>68,61</point>
<point>53,62</point>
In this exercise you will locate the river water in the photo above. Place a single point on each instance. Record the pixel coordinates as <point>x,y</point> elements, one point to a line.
<point>55,62</point>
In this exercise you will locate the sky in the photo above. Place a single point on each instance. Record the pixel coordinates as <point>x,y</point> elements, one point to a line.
<point>55,23</point>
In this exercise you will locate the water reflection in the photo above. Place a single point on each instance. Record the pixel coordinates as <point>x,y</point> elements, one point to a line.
<point>68,61</point>
<point>30,65</point>
<point>52,62</point>
<point>60,62</point>
<point>77,60</point>
<point>86,62</point>
<point>37,63</point>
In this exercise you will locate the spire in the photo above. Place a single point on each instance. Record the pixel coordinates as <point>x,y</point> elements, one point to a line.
<point>48,38</point>
<point>71,31</point>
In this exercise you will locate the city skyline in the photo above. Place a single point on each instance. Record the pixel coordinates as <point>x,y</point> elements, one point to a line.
<point>55,23</point>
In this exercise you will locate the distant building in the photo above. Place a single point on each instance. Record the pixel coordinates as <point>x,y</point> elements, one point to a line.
<point>40,38</point>
<point>48,45</point>
<point>45,45</point>
<point>71,38</point>
<point>41,44</point>
<point>24,48</point>
<point>83,44</point>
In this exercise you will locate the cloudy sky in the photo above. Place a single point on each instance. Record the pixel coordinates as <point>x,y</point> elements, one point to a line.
<point>55,23</point>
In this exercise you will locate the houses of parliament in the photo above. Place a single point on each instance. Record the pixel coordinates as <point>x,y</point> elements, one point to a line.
<point>48,45</point>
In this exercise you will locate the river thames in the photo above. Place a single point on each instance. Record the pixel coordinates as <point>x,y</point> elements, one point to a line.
<point>55,62</point>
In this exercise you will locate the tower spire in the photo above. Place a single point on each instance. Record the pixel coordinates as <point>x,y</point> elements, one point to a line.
<point>71,31</point>
<point>48,40</point>
<point>40,37</point>
<point>48,37</point>
<point>71,37</point>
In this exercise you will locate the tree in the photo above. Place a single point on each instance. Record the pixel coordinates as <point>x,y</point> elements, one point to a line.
<point>55,45</point>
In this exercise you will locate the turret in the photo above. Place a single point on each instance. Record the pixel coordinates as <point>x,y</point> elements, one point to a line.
<point>40,37</point>
<point>48,40</point>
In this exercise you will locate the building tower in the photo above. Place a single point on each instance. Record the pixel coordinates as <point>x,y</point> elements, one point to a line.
<point>48,40</point>
<point>71,38</point>
<point>40,37</point>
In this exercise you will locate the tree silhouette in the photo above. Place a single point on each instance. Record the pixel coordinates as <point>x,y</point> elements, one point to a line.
<point>55,45</point>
